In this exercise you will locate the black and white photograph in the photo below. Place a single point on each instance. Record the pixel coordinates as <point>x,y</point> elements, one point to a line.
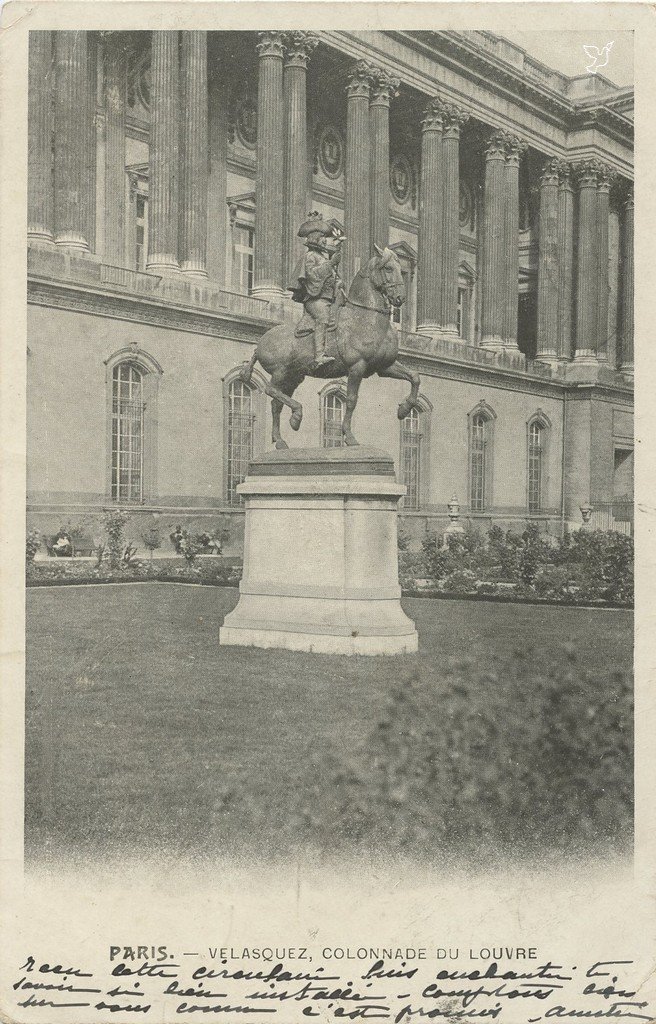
<point>328,505</point>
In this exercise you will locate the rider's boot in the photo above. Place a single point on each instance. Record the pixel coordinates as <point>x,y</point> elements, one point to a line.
<point>321,357</point>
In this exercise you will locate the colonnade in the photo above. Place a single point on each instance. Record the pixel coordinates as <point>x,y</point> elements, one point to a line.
<point>187,160</point>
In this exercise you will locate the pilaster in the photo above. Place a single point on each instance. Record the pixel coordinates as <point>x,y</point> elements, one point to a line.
<point>194,154</point>
<point>383,87</point>
<point>587,277</point>
<point>565,260</point>
<point>268,271</point>
<point>164,158</point>
<point>429,297</point>
<point>357,197</point>
<point>604,182</point>
<point>453,120</point>
<point>626,329</point>
<point>73,138</point>
<point>548,264</point>
<point>514,151</point>
<point>494,243</point>
<point>299,47</point>
<point>39,135</point>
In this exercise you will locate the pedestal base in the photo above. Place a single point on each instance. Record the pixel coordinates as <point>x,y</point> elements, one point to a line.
<point>320,555</point>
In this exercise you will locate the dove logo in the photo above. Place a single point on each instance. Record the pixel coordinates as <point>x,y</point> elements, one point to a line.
<point>598,58</point>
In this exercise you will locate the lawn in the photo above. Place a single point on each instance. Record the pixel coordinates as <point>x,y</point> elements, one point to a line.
<point>512,727</point>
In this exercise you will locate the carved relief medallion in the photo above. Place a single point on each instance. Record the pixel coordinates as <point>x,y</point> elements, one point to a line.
<point>401,179</point>
<point>330,151</point>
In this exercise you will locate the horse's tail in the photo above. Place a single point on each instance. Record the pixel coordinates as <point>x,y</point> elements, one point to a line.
<point>246,372</point>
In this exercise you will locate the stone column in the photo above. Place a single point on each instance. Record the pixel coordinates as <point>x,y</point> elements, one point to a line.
<point>74,138</point>
<point>163,203</point>
<point>603,204</point>
<point>548,264</point>
<point>39,136</point>
<point>382,88</point>
<point>494,248</point>
<point>429,298</point>
<point>217,184</point>
<point>565,259</point>
<point>298,48</point>
<point>115,98</point>
<point>626,329</point>
<point>454,118</point>
<point>193,153</point>
<point>268,273</point>
<point>356,202</point>
<point>514,150</point>
<point>587,276</point>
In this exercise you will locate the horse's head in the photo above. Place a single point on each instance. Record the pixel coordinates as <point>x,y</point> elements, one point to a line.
<point>384,272</point>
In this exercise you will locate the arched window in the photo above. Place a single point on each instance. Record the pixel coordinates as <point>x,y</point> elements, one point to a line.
<point>411,458</point>
<point>535,453</point>
<point>333,406</point>
<point>481,433</point>
<point>127,455</point>
<point>538,430</point>
<point>240,420</point>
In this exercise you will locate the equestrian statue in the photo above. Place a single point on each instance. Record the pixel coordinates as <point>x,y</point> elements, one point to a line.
<point>337,336</point>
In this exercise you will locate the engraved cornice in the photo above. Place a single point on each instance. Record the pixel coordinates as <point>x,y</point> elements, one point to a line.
<point>360,79</point>
<point>138,309</point>
<point>299,47</point>
<point>433,118</point>
<point>271,44</point>
<point>550,173</point>
<point>383,86</point>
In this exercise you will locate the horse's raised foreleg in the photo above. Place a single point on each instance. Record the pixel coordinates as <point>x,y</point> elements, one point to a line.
<point>355,375</point>
<point>277,389</point>
<point>400,372</point>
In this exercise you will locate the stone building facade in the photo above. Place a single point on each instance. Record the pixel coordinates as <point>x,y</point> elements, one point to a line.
<point>168,174</point>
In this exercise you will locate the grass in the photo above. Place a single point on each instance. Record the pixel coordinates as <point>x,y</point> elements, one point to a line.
<point>143,734</point>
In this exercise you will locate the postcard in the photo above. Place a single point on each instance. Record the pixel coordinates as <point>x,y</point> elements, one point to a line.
<point>327,591</point>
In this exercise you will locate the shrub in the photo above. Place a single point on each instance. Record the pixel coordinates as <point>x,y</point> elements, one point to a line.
<point>152,539</point>
<point>460,581</point>
<point>114,522</point>
<point>32,545</point>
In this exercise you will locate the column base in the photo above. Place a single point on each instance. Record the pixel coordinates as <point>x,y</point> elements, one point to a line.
<point>451,334</point>
<point>428,330</point>
<point>162,263</point>
<point>72,242</point>
<point>271,293</point>
<point>40,237</point>
<point>193,268</point>
<point>587,355</point>
<point>493,343</point>
<point>627,370</point>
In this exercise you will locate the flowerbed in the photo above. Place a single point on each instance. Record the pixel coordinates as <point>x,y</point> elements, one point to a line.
<point>68,571</point>
<point>582,568</point>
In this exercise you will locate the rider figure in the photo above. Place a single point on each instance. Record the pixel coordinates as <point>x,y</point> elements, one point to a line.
<point>316,282</point>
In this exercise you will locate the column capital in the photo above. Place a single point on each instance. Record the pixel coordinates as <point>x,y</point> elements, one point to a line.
<point>565,172</point>
<point>550,172</point>
<point>433,119</point>
<point>453,118</point>
<point>587,173</point>
<point>271,44</point>
<point>607,178</point>
<point>299,47</point>
<point>515,148</point>
<point>496,146</point>
<point>360,78</point>
<point>383,86</point>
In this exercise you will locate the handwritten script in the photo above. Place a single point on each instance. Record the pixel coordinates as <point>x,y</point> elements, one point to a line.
<point>404,985</point>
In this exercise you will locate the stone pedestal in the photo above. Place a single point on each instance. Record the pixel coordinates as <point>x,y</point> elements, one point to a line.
<point>320,555</point>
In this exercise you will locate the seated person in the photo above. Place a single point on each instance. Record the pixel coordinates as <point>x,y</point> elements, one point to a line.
<point>176,538</point>
<point>62,545</point>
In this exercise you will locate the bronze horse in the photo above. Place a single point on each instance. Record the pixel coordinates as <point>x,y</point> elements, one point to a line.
<point>364,343</point>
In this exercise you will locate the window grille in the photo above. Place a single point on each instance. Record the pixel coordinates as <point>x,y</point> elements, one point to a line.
<point>478,467</point>
<point>127,433</point>
<point>332,416</point>
<point>534,467</point>
<point>411,459</point>
<point>240,437</point>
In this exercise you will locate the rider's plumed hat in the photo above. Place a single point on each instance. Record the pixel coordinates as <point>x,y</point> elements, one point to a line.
<point>315,224</point>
